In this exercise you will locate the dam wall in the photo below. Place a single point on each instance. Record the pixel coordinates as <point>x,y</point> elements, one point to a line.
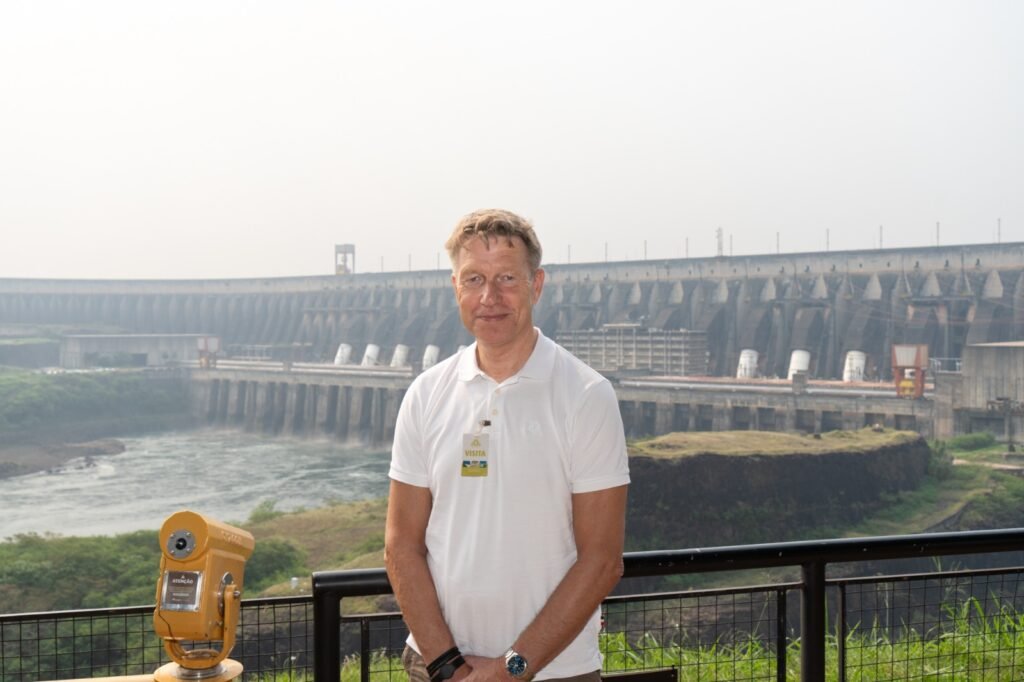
<point>826,303</point>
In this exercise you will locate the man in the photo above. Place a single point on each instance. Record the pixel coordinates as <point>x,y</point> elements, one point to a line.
<point>507,504</point>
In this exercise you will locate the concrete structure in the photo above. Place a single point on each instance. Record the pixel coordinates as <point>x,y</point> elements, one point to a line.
<point>825,303</point>
<point>355,404</point>
<point>653,406</point>
<point>631,348</point>
<point>830,305</point>
<point>988,393</point>
<point>360,404</point>
<point>78,351</point>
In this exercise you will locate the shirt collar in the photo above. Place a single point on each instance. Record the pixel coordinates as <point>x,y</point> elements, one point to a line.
<point>538,366</point>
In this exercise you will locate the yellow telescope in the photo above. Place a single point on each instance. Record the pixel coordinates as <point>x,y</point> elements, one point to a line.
<point>198,596</point>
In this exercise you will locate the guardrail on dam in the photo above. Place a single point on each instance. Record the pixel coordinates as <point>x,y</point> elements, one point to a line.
<point>826,304</point>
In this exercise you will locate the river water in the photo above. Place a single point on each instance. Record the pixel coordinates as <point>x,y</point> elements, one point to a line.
<point>222,474</point>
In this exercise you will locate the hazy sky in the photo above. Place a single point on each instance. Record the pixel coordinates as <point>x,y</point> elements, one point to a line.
<point>143,139</point>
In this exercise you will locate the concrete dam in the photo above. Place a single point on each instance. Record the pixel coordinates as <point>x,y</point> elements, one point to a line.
<point>824,305</point>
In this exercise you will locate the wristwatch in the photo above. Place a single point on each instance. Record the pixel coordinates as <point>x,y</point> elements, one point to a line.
<point>516,665</point>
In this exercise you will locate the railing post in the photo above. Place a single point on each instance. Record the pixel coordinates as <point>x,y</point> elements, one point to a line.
<point>812,625</point>
<point>364,651</point>
<point>841,634</point>
<point>326,631</point>
<point>781,643</point>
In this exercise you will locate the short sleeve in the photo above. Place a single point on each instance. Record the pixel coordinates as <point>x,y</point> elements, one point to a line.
<point>409,457</point>
<point>598,442</point>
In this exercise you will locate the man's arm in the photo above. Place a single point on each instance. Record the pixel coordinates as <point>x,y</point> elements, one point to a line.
<point>405,555</point>
<point>599,521</point>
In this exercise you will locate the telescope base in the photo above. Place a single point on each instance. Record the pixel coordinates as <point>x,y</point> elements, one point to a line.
<point>224,671</point>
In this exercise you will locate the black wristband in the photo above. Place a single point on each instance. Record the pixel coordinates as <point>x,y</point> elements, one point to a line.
<point>442,659</point>
<point>447,669</point>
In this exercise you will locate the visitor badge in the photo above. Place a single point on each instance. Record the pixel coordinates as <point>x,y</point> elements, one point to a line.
<point>474,454</point>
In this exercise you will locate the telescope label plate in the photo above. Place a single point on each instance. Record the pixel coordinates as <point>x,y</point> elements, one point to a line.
<point>182,590</point>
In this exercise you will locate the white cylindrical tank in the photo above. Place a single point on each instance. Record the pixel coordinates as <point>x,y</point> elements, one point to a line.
<point>344,354</point>
<point>799,361</point>
<point>747,368</point>
<point>370,355</point>
<point>853,368</point>
<point>400,358</point>
<point>430,355</point>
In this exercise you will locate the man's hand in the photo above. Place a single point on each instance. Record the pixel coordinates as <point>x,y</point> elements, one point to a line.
<point>486,669</point>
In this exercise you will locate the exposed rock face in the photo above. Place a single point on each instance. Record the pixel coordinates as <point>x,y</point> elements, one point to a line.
<point>18,460</point>
<point>106,446</point>
<point>709,500</point>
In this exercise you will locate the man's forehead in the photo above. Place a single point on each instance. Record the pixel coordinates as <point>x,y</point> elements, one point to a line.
<point>498,249</point>
<point>490,241</point>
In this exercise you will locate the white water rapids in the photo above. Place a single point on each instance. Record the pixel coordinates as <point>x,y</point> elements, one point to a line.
<point>222,474</point>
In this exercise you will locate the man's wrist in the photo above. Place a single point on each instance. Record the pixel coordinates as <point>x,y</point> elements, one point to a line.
<point>517,666</point>
<point>444,666</point>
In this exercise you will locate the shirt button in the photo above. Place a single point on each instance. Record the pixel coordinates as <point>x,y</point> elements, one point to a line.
<point>494,412</point>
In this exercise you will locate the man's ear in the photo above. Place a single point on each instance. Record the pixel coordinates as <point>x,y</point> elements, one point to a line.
<point>538,284</point>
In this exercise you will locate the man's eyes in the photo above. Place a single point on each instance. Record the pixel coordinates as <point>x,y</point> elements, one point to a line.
<point>477,281</point>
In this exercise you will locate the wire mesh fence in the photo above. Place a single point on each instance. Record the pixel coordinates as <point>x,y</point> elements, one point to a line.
<point>726,634</point>
<point>966,625</point>
<point>275,636</point>
<point>938,625</point>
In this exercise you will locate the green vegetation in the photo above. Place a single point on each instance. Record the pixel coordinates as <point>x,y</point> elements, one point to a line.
<point>54,573</point>
<point>50,573</point>
<point>32,401</point>
<point>768,442</point>
<point>970,645</point>
<point>971,441</point>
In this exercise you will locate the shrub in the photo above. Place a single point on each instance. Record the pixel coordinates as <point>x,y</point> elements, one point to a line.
<point>972,441</point>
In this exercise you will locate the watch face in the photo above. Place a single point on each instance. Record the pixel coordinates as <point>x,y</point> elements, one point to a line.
<point>446,671</point>
<point>516,665</point>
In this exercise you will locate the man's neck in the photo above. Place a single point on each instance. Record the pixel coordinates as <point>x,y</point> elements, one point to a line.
<point>503,362</point>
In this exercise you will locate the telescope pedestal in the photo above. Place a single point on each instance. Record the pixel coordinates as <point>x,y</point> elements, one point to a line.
<point>225,671</point>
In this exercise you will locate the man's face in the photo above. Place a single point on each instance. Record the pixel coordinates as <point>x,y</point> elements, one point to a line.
<point>496,291</point>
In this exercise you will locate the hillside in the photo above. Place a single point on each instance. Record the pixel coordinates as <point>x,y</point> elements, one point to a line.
<point>725,488</point>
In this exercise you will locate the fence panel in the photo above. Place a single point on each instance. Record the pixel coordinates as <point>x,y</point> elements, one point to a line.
<point>276,636</point>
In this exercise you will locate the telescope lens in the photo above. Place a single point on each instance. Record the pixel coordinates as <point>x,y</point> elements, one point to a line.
<point>181,544</point>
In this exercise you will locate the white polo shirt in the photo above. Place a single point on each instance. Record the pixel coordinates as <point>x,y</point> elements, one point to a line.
<point>498,544</point>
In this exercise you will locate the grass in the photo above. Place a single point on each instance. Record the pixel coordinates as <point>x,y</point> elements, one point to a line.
<point>935,501</point>
<point>741,443</point>
<point>969,646</point>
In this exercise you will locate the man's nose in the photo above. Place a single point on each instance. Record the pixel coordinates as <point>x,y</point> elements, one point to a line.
<point>490,292</point>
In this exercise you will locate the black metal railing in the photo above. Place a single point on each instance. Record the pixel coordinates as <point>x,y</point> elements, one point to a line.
<point>275,637</point>
<point>804,636</point>
<point>803,626</point>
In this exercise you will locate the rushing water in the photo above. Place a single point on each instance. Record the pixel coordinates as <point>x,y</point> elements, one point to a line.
<point>222,474</point>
